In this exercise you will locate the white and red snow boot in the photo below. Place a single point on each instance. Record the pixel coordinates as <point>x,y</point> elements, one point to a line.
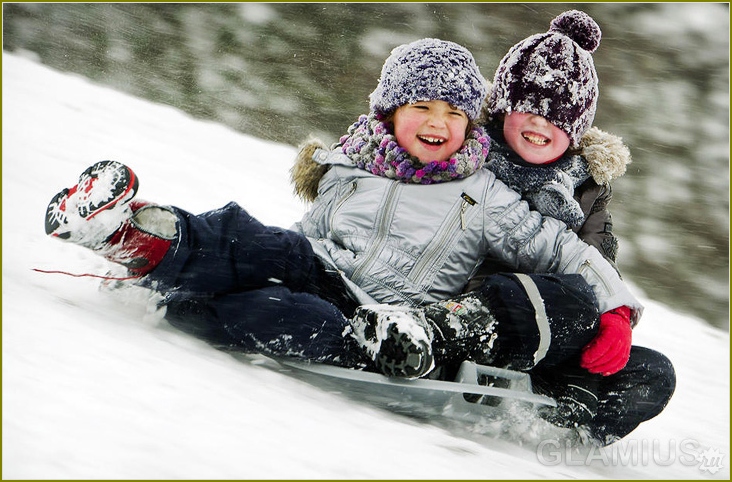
<point>99,213</point>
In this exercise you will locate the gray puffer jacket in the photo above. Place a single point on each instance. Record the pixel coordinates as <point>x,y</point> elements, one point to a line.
<point>411,244</point>
<point>607,158</point>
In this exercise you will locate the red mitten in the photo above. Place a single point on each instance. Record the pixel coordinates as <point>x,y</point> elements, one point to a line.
<point>609,351</point>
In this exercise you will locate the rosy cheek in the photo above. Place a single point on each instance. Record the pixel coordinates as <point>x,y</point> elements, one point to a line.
<point>402,133</point>
<point>561,140</point>
<point>399,138</point>
<point>511,140</point>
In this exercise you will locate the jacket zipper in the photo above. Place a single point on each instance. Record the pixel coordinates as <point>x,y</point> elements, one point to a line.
<point>428,259</point>
<point>354,184</point>
<point>381,233</point>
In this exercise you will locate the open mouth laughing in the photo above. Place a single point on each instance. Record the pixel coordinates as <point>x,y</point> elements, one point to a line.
<point>536,139</point>
<point>432,141</point>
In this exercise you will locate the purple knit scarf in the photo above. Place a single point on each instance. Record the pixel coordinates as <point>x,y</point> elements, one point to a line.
<point>373,148</point>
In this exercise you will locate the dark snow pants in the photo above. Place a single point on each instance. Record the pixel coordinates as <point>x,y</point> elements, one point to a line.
<point>542,323</point>
<point>634,395</point>
<point>244,286</point>
<point>541,318</point>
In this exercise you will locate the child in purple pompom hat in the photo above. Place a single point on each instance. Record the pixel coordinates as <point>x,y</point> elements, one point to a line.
<point>539,116</point>
<point>539,113</point>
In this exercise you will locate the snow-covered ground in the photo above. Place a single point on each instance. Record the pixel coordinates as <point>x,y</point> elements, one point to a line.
<point>94,386</point>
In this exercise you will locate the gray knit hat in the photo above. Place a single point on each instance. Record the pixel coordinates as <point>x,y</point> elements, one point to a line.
<point>429,69</point>
<point>552,75</point>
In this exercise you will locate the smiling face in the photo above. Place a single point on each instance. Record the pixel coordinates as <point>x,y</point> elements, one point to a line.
<point>534,138</point>
<point>430,130</point>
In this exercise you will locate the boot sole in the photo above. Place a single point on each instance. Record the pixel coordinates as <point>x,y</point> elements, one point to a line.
<point>400,357</point>
<point>125,188</point>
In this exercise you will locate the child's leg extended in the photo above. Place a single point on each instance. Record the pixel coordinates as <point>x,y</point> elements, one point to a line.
<point>220,251</point>
<point>227,250</point>
<point>273,321</point>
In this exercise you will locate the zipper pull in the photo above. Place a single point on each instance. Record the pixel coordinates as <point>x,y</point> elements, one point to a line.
<point>462,214</point>
<point>467,200</point>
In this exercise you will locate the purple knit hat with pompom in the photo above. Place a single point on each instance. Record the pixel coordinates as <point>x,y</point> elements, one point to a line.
<point>552,75</point>
<point>429,69</point>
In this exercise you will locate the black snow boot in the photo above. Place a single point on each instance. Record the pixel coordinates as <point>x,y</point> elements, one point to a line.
<point>464,328</point>
<point>397,339</point>
<point>574,389</point>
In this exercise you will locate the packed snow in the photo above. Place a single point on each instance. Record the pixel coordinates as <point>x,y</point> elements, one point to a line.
<point>97,386</point>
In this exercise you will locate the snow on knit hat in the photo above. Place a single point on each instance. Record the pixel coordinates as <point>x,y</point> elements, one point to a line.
<point>552,75</point>
<point>429,69</point>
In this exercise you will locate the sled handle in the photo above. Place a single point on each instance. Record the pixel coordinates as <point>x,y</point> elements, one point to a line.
<point>470,371</point>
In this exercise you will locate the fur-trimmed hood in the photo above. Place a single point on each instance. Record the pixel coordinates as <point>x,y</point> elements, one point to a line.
<point>606,154</point>
<point>305,174</point>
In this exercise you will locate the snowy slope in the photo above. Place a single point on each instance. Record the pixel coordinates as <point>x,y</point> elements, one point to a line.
<point>94,386</point>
